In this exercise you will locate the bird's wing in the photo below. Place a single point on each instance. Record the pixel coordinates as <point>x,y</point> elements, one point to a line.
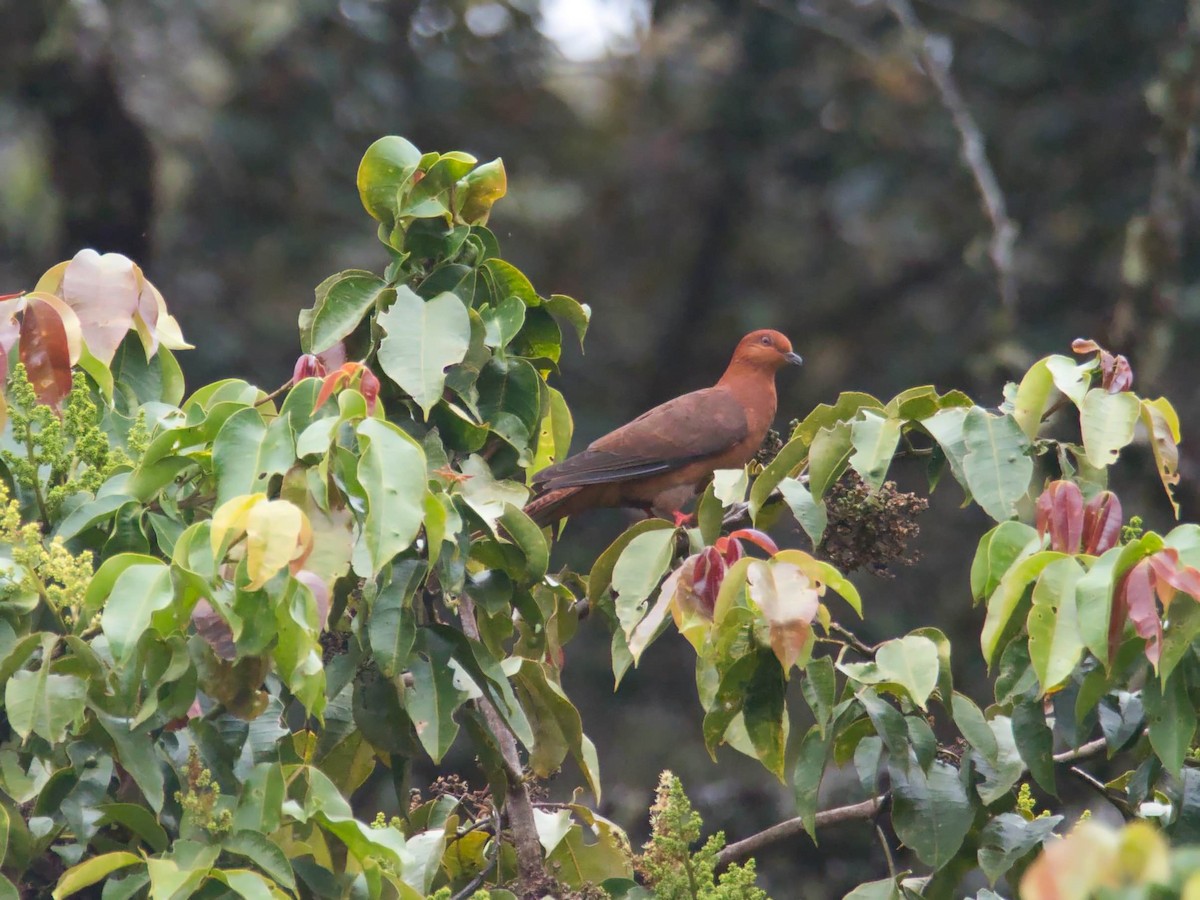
<point>687,429</point>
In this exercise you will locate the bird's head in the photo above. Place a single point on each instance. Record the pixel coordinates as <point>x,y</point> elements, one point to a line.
<point>765,349</point>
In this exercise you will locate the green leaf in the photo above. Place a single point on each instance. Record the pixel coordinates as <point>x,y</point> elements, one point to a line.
<point>511,282</point>
<point>1004,601</point>
<point>947,428</point>
<point>1033,398</point>
<point>1007,838</point>
<point>247,452</point>
<point>1107,422</point>
<point>392,629</point>
<point>884,889</point>
<point>423,339</point>
<point>601,575</point>
<point>806,777</point>
<point>638,571</point>
<point>136,754</point>
<point>391,468</point>
<point>930,812</point>
<point>557,727</point>
<point>342,302</point>
<point>1002,772</point>
<point>874,437</point>
<point>509,399</point>
<point>439,688</point>
<point>603,854</point>
<point>827,458</point>
<point>526,535</point>
<point>1035,741</point>
<point>554,434</point>
<point>1172,719</point>
<point>44,704</point>
<point>887,722</point>
<point>997,465</point>
<point>974,727</point>
<point>263,852</point>
<point>384,174</point>
<point>92,870</point>
<point>503,322</point>
<point>142,589</point>
<point>911,662</point>
<point>809,513</point>
<point>1055,644</point>
<point>571,311</point>
<point>141,822</point>
<point>1070,378</point>
<point>820,690</point>
<point>998,550</point>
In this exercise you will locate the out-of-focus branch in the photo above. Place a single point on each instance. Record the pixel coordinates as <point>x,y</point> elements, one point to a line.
<point>1151,269</point>
<point>974,150</point>
<point>812,15</point>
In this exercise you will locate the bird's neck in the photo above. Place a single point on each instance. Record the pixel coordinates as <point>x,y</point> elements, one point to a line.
<point>754,389</point>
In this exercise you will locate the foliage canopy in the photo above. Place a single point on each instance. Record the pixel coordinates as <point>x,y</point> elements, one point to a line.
<point>223,613</point>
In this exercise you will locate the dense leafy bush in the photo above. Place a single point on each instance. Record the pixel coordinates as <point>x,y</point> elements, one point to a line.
<point>222,615</point>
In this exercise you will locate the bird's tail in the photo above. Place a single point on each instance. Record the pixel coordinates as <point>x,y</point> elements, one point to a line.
<point>547,508</point>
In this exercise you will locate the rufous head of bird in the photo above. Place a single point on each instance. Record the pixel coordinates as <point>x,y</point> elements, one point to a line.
<point>765,350</point>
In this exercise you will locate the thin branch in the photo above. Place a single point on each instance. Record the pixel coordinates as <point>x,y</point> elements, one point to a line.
<point>1102,789</point>
<point>936,66</point>
<point>855,812</point>
<point>1083,751</point>
<point>887,851</point>
<point>517,804</point>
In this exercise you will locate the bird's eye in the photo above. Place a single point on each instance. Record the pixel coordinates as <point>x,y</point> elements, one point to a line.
<point>766,339</point>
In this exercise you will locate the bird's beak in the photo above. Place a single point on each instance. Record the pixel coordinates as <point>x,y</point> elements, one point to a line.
<point>794,358</point>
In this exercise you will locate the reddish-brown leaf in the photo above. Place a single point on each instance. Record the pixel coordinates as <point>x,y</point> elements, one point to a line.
<point>1101,523</point>
<point>369,388</point>
<point>214,629</point>
<point>1170,576</point>
<point>320,592</point>
<point>1060,513</point>
<point>707,575</point>
<point>1117,376</point>
<point>334,382</point>
<point>1084,345</point>
<point>308,366</point>
<point>1137,599</point>
<point>756,537</point>
<point>45,352</point>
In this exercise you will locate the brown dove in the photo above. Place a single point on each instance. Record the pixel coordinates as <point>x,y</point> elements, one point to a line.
<point>664,457</point>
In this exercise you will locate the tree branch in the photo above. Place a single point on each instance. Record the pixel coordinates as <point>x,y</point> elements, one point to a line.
<point>855,812</point>
<point>933,60</point>
<point>517,804</point>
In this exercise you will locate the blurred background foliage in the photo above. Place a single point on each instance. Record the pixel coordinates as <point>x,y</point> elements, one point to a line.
<point>692,169</point>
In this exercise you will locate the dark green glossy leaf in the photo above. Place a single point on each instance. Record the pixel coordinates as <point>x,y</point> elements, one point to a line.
<point>930,812</point>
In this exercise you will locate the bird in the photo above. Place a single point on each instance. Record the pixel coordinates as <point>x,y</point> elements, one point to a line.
<point>658,462</point>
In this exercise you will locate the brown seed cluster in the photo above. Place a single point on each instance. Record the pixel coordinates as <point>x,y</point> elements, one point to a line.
<point>870,530</point>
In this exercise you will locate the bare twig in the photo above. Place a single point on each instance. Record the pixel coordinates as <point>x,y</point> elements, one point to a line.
<point>477,882</point>
<point>1084,751</point>
<point>1099,787</point>
<point>974,152</point>
<point>517,805</point>
<point>855,812</point>
<point>854,640</point>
